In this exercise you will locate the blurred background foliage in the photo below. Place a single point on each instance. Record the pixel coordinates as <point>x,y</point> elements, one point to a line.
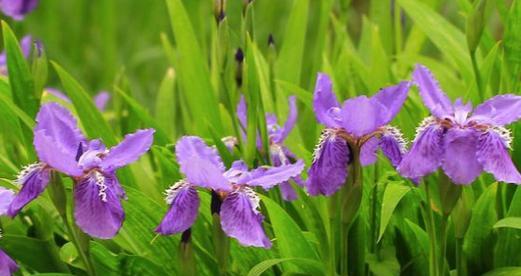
<point>173,65</point>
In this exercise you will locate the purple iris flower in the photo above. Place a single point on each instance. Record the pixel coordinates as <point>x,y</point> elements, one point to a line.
<point>7,265</point>
<point>279,153</point>
<point>25,44</point>
<point>17,9</point>
<point>240,215</point>
<point>61,146</point>
<point>100,100</point>
<point>463,141</point>
<point>360,122</point>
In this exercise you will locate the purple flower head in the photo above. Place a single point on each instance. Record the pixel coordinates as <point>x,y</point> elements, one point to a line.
<point>358,124</point>
<point>100,100</point>
<point>62,147</point>
<point>240,215</point>
<point>25,44</point>
<point>462,140</point>
<point>17,9</point>
<point>279,153</point>
<point>7,265</point>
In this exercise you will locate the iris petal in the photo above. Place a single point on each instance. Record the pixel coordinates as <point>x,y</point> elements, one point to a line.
<point>433,97</point>
<point>184,206</point>
<point>33,179</point>
<point>324,100</point>
<point>241,219</point>
<point>493,155</point>
<point>460,162</point>
<point>98,211</point>
<point>129,150</point>
<point>328,171</point>
<point>7,265</point>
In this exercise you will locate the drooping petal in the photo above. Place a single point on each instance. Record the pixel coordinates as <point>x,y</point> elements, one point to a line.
<point>324,100</point>
<point>361,115</point>
<point>241,219</point>
<point>54,155</point>
<point>499,110</point>
<point>433,97</point>
<point>287,191</point>
<point>184,205</point>
<point>460,162</point>
<point>426,152</point>
<point>101,99</point>
<point>267,177</point>
<point>368,151</point>
<point>6,197</point>
<point>17,9</point>
<point>393,145</point>
<point>129,150</point>
<point>290,121</point>
<point>493,155</point>
<point>201,164</point>
<point>97,211</point>
<point>392,98</point>
<point>33,180</point>
<point>328,171</point>
<point>7,265</point>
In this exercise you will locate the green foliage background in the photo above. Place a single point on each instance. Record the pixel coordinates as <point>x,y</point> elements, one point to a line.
<point>170,65</point>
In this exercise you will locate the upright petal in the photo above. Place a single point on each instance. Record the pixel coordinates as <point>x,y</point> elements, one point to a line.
<point>493,155</point>
<point>426,152</point>
<point>460,162</point>
<point>290,121</point>
<point>184,205</point>
<point>267,177</point>
<point>393,145</point>
<point>33,180</point>
<point>129,150</point>
<point>101,99</point>
<point>328,171</point>
<point>499,110</point>
<point>7,265</point>
<point>241,219</point>
<point>55,155</point>
<point>97,211</point>
<point>433,97</point>
<point>361,115</point>
<point>201,164</point>
<point>60,126</point>
<point>324,100</point>
<point>236,172</point>
<point>392,98</point>
<point>6,197</point>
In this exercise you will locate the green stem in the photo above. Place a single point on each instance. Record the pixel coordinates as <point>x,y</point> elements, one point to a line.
<point>461,266</point>
<point>443,243</point>
<point>187,254</point>
<point>351,199</point>
<point>333,201</point>
<point>433,263</point>
<point>221,244</point>
<point>78,238</point>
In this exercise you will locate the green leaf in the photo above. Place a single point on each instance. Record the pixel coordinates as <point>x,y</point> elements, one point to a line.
<point>262,267</point>
<point>91,118</point>
<point>194,75</point>
<point>442,33</point>
<point>512,40</point>
<point>475,24</point>
<point>18,248</point>
<point>289,238</point>
<point>510,222</point>
<point>20,78</point>
<point>504,271</point>
<point>165,114</point>
<point>393,193</point>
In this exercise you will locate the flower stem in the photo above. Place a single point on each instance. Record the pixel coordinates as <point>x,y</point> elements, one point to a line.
<point>333,215</point>
<point>220,240</point>
<point>443,243</point>
<point>433,263</point>
<point>187,254</point>
<point>461,266</point>
<point>78,238</point>
<point>477,75</point>
<point>351,199</point>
